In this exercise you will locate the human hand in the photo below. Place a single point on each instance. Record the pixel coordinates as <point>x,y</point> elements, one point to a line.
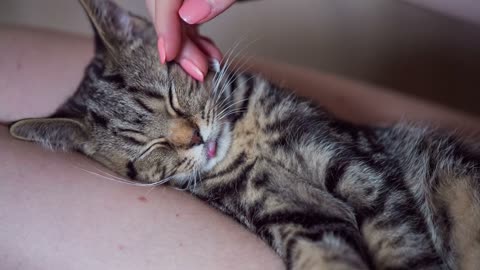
<point>176,23</point>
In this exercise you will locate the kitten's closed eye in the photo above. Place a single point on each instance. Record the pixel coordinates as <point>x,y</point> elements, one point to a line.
<point>160,142</point>
<point>132,135</point>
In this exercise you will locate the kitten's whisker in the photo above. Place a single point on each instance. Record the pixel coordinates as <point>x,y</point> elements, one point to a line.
<point>196,175</point>
<point>109,174</point>
<point>161,182</point>
<point>221,90</point>
<point>242,50</point>
<point>234,76</point>
<point>233,111</point>
<point>221,116</point>
<point>194,179</point>
<point>228,114</point>
<point>233,104</point>
<point>220,74</point>
<point>123,180</point>
<point>236,70</point>
<point>223,101</point>
<point>230,106</point>
<point>236,88</point>
<point>120,180</point>
<point>226,64</point>
<point>230,51</point>
<point>227,56</point>
<point>237,56</point>
<point>233,47</point>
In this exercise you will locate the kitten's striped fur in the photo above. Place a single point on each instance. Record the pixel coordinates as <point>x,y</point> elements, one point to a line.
<point>323,193</point>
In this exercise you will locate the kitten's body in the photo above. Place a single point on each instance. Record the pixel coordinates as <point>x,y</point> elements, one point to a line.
<point>384,194</point>
<point>323,193</point>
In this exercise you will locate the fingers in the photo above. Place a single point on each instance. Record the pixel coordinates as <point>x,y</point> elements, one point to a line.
<point>200,11</point>
<point>181,42</point>
<point>193,60</point>
<point>209,48</point>
<point>195,54</point>
<point>168,27</point>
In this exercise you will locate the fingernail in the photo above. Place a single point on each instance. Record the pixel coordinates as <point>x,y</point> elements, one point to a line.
<point>194,11</point>
<point>161,50</point>
<point>191,69</point>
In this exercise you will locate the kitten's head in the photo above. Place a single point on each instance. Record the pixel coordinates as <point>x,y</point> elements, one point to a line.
<point>141,119</point>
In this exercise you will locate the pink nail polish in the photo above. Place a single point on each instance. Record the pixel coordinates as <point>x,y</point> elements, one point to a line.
<point>194,11</point>
<point>161,50</point>
<point>191,69</point>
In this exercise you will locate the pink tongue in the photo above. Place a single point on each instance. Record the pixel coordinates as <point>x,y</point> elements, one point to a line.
<point>212,149</point>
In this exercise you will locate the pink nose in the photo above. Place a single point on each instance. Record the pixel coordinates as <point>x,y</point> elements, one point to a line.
<point>196,138</point>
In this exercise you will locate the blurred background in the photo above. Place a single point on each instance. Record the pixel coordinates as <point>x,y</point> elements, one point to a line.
<point>427,48</point>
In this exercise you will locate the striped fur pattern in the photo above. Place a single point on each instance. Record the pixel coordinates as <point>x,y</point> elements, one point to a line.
<point>323,193</point>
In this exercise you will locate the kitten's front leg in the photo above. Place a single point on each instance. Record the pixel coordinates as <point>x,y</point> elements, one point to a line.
<point>330,245</point>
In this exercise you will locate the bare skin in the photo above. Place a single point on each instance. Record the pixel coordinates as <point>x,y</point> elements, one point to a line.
<point>54,215</point>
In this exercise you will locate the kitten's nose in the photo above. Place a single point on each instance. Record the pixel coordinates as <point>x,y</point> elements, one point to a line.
<point>196,138</point>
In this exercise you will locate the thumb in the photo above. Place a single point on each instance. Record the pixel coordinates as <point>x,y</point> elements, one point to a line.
<point>200,11</point>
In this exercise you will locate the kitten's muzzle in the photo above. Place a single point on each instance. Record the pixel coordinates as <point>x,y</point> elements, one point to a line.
<point>185,134</point>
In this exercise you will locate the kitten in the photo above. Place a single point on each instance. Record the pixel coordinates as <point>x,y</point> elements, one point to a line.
<point>323,193</point>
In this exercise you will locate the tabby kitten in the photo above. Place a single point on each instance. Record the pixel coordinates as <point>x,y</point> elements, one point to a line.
<point>324,194</point>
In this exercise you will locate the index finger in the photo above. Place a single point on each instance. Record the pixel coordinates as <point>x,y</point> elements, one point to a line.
<point>167,23</point>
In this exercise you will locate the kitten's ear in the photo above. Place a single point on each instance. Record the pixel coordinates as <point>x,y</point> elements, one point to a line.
<point>54,133</point>
<point>113,26</point>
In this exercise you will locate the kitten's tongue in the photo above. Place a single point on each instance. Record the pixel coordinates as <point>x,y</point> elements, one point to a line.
<point>211,149</point>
